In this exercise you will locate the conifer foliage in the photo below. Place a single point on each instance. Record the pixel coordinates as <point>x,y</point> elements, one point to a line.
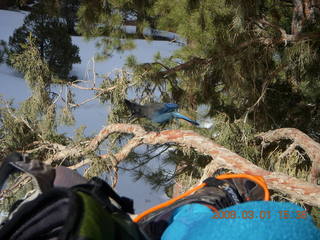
<point>248,59</point>
<point>52,39</point>
<point>254,64</point>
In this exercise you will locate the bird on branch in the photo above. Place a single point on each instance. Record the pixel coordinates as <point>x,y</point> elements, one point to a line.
<point>157,112</point>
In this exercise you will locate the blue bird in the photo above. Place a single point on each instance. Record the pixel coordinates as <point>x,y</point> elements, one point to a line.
<point>157,112</point>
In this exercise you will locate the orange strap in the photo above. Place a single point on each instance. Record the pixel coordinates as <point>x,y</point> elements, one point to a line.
<point>167,203</point>
<point>257,179</point>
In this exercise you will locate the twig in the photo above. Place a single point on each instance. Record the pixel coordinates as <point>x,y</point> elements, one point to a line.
<point>85,101</point>
<point>285,37</point>
<point>300,139</point>
<point>93,88</point>
<point>289,150</point>
<point>14,188</point>
<point>81,164</point>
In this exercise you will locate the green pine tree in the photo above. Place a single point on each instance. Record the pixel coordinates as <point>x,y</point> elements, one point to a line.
<point>253,64</point>
<point>52,39</point>
<point>234,59</point>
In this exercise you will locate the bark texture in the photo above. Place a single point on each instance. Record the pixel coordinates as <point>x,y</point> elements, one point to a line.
<point>300,139</point>
<point>303,11</point>
<point>221,157</point>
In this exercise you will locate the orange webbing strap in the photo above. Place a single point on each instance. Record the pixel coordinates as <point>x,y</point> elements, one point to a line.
<point>167,203</point>
<point>257,179</point>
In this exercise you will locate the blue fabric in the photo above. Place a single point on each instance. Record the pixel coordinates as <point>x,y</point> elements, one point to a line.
<point>195,221</point>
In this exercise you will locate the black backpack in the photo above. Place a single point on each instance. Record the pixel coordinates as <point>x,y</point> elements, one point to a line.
<point>90,210</point>
<point>70,207</point>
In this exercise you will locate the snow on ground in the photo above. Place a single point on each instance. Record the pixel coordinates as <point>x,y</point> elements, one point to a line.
<point>94,114</point>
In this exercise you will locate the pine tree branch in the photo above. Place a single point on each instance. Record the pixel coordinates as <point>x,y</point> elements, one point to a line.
<point>265,86</point>
<point>73,105</point>
<point>146,160</point>
<point>222,157</point>
<point>300,139</point>
<point>289,150</point>
<point>19,183</point>
<point>81,164</point>
<point>185,66</point>
<point>285,37</point>
<point>102,90</point>
<point>79,150</point>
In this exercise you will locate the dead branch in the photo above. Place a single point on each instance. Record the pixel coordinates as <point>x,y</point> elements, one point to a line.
<point>289,150</point>
<point>99,91</point>
<point>20,182</point>
<point>81,164</point>
<point>300,139</point>
<point>265,86</point>
<point>115,168</point>
<point>185,66</point>
<point>222,157</point>
<point>102,90</point>
<point>38,146</point>
<point>285,37</point>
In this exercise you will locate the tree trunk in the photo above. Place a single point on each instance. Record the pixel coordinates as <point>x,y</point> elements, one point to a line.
<point>303,11</point>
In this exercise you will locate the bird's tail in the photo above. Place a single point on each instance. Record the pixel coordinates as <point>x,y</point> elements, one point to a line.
<point>178,115</point>
<point>134,108</point>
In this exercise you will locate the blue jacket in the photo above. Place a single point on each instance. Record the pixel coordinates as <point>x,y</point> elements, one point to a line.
<point>251,220</point>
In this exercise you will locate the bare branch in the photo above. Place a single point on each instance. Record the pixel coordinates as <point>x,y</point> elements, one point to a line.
<point>185,66</point>
<point>289,150</point>
<point>22,181</point>
<point>86,101</point>
<point>300,139</point>
<point>222,157</point>
<point>264,90</point>
<point>103,90</point>
<point>285,37</point>
<point>81,164</point>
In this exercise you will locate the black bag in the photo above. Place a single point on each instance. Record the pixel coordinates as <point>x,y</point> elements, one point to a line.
<point>89,211</point>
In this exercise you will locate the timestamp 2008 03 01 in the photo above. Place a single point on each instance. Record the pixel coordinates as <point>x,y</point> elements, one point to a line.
<point>259,214</point>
